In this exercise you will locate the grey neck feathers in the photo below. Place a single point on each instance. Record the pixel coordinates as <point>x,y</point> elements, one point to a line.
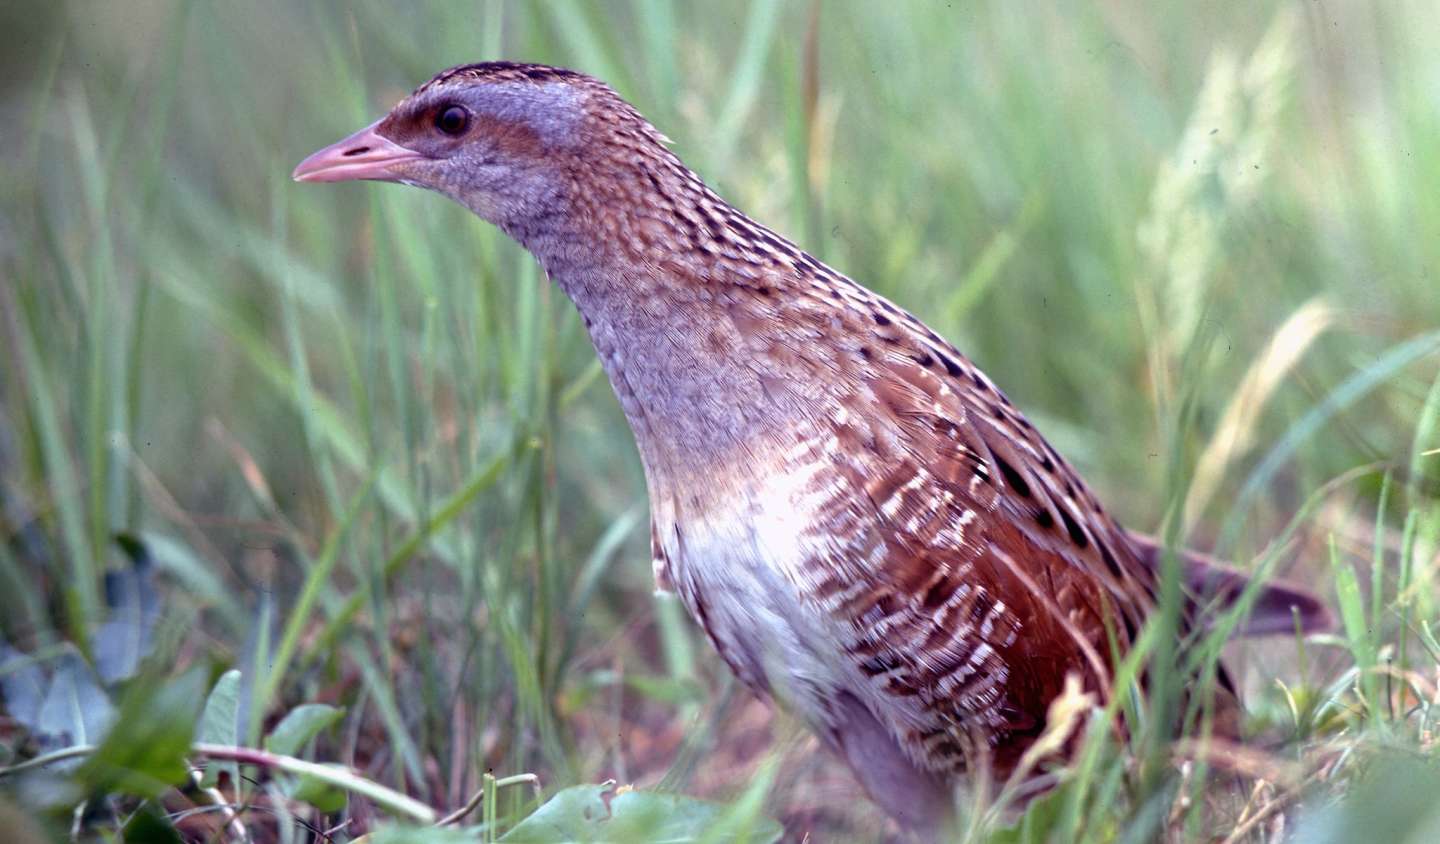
<point>692,402</point>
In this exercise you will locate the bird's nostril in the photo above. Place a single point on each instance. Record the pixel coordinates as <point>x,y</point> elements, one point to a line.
<point>356,151</point>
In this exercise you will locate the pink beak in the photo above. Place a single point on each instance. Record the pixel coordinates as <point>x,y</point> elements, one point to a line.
<point>364,155</point>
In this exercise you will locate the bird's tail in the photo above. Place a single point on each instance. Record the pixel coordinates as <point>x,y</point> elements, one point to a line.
<point>1279,608</point>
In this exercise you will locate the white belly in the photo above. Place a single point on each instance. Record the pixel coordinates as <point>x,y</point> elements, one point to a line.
<point>758,622</point>
<point>741,573</point>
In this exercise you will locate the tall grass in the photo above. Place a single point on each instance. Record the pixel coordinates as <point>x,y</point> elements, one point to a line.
<point>369,451</point>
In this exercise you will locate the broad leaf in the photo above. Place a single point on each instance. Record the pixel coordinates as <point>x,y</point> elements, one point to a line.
<point>320,794</point>
<point>75,710</point>
<point>22,687</point>
<point>127,635</point>
<point>145,753</point>
<point>596,813</point>
<point>1040,822</point>
<point>148,826</point>
<point>302,723</point>
<point>1393,802</point>
<point>220,723</point>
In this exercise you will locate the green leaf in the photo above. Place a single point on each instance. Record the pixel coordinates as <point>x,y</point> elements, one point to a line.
<point>1358,630</point>
<point>665,689</point>
<point>422,835</point>
<point>1352,611</point>
<point>220,723</point>
<point>1040,823</point>
<point>320,794</point>
<point>145,753</point>
<point>595,813</point>
<point>148,826</point>
<point>302,723</point>
<point>1393,801</point>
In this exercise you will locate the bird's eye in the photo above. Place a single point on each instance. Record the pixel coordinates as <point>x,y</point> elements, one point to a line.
<point>452,120</point>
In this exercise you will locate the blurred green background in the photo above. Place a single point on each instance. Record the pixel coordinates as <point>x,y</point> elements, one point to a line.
<point>375,463</point>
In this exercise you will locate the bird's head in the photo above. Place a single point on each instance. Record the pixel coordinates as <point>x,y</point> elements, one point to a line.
<point>500,138</point>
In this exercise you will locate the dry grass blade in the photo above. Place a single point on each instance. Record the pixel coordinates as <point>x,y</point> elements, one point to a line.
<point>1234,435</point>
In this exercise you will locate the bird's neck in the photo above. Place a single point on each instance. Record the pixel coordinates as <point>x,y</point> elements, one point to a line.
<point>671,353</point>
<point>678,299</point>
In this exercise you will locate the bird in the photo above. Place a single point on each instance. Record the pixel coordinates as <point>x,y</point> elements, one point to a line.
<point>866,529</point>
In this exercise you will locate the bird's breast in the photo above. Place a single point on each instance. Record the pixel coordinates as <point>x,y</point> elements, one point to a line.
<point>738,557</point>
<point>764,566</point>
